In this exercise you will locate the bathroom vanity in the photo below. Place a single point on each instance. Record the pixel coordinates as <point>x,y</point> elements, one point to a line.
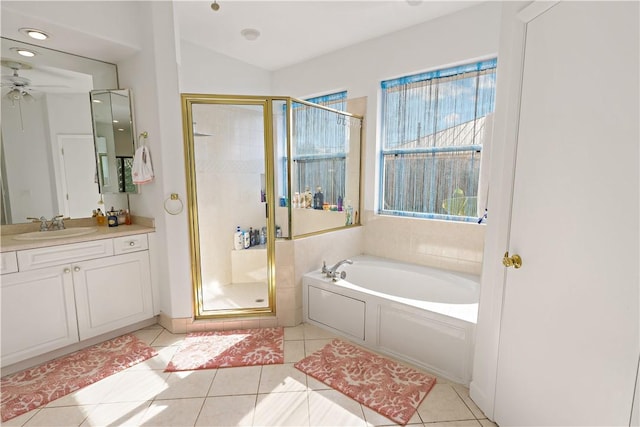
<point>64,291</point>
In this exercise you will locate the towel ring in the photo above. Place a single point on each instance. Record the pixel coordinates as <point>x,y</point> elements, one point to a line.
<point>173,205</point>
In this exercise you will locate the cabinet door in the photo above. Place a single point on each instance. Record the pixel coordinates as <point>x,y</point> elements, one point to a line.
<point>112,293</point>
<point>38,313</point>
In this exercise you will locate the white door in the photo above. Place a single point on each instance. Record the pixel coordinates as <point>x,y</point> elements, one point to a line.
<point>569,338</point>
<point>78,164</point>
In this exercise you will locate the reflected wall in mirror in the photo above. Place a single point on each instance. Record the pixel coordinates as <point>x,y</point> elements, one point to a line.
<point>47,138</point>
<point>114,139</point>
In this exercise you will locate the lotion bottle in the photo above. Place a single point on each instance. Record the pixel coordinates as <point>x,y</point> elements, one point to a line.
<point>238,239</point>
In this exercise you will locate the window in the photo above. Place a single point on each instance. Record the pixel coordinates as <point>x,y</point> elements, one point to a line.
<point>432,132</point>
<point>319,150</point>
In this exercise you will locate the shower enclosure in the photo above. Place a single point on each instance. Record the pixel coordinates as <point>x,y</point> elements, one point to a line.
<point>247,159</point>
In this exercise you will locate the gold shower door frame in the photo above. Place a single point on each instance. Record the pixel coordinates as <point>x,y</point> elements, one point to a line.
<point>187,101</point>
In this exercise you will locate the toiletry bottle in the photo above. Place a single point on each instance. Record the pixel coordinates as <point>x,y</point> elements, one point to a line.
<point>247,239</point>
<point>112,219</point>
<point>252,237</point>
<point>308,198</point>
<point>339,203</point>
<point>100,218</point>
<point>263,236</point>
<point>320,198</point>
<point>349,216</point>
<point>278,231</point>
<point>238,239</point>
<point>127,217</point>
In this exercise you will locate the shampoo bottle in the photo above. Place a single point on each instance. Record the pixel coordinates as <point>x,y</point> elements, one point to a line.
<point>247,239</point>
<point>238,239</point>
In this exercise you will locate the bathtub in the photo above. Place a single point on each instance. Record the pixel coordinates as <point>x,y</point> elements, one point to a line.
<point>418,314</point>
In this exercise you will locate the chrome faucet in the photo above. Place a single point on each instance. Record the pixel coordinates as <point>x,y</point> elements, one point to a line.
<point>56,223</point>
<point>332,272</point>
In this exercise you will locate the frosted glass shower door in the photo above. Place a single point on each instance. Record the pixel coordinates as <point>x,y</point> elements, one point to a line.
<point>229,161</point>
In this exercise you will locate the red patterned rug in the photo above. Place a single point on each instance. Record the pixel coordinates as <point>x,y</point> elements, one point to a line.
<point>23,391</point>
<point>387,387</point>
<point>225,349</point>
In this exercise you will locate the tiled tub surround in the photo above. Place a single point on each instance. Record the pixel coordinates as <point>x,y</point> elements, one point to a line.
<point>420,314</point>
<point>450,245</point>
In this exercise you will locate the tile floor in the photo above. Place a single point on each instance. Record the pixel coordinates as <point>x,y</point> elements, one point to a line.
<point>273,395</point>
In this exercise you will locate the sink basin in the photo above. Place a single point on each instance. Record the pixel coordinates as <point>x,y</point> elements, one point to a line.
<point>56,234</point>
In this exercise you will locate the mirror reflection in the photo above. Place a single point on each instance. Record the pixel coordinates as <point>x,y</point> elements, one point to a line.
<point>47,153</point>
<point>325,168</point>
<point>114,139</point>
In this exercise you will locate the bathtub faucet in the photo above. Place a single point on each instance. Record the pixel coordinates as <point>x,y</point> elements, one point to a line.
<point>332,272</point>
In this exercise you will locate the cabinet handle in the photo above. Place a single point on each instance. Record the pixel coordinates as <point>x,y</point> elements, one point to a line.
<point>67,270</point>
<point>132,243</point>
<point>76,268</point>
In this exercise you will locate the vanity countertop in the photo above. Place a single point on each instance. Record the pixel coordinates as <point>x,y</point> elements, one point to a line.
<point>8,243</point>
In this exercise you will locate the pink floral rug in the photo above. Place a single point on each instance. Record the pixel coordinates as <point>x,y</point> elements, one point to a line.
<point>23,391</point>
<point>224,349</point>
<point>387,387</point>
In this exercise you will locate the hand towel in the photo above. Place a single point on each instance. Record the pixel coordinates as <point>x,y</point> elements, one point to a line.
<point>142,170</point>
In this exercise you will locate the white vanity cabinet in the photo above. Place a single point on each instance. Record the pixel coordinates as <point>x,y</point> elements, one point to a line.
<point>68,293</point>
<point>38,313</point>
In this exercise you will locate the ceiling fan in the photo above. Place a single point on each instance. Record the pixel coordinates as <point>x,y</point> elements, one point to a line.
<point>20,87</point>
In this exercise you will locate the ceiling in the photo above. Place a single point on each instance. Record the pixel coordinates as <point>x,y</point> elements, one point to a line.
<point>297,30</point>
<point>291,31</point>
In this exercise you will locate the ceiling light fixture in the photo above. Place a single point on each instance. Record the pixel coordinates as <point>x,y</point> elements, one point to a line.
<point>23,52</point>
<point>215,6</point>
<point>250,33</point>
<point>34,34</point>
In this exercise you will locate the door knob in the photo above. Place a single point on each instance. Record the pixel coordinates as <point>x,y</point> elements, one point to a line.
<point>67,270</point>
<point>76,269</point>
<point>511,261</point>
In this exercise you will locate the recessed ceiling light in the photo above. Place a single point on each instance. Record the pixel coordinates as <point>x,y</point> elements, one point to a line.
<point>250,33</point>
<point>24,52</point>
<point>97,101</point>
<point>34,34</point>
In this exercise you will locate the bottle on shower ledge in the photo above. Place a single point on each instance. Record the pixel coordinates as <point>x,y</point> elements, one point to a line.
<point>318,199</point>
<point>238,239</point>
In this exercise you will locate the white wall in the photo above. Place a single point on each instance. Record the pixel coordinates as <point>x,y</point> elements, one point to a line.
<point>205,71</point>
<point>27,157</point>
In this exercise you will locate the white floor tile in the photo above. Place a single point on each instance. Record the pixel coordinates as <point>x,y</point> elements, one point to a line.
<point>166,338</point>
<point>282,409</point>
<point>173,412</point>
<point>91,394</point>
<point>147,336</point>
<point>65,416</point>
<point>443,404</point>
<point>232,381</point>
<point>466,423</point>
<point>294,333</point>
<point>312,332</point>
<point>311,346</point>
<point>375,419</point>
<point>136,386</point>
<point>227,411</point>
<point>185,384</point>
<point>293,351</point>
<point>117,414</point>
<point>282,378</point>
<point>332,408</point>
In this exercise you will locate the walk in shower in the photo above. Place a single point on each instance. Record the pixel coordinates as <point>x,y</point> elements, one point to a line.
<point>252,165</point>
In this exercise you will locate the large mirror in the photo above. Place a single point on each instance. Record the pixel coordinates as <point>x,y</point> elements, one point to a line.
<point>47,155</point>
<point>114,139</point>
